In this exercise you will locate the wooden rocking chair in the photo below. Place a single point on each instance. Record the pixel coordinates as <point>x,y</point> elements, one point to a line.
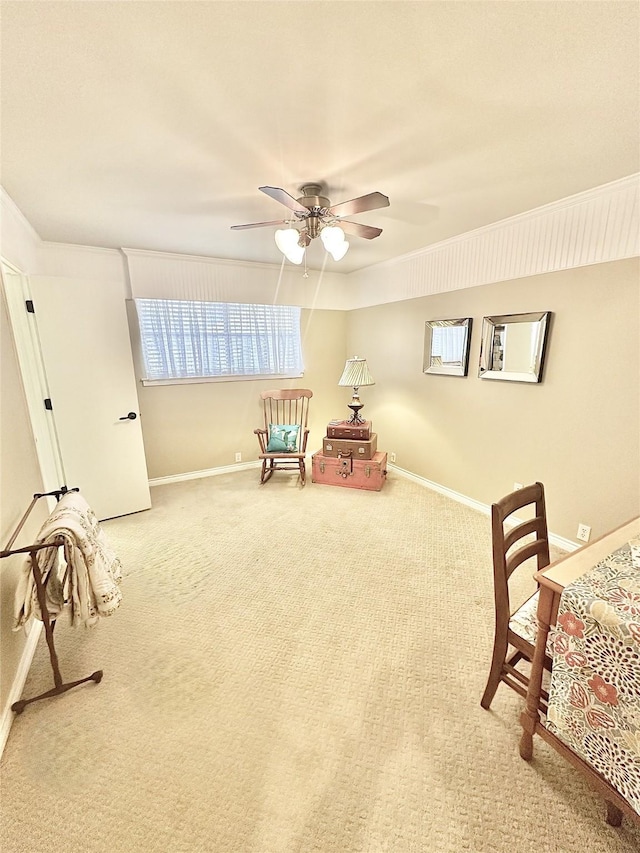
<point>283,439</point>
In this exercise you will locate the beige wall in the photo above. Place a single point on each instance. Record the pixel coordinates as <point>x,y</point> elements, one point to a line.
<point>194,427</point>
<point>19,480</point>
<point>578,431</point>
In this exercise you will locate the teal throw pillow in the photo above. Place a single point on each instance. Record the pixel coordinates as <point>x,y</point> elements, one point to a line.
<point>283,438</point>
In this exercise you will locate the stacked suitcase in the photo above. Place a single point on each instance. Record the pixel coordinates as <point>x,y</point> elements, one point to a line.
<point>349,457</point>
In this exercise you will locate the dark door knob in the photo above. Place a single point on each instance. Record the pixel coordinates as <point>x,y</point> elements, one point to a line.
<point>130,417</point>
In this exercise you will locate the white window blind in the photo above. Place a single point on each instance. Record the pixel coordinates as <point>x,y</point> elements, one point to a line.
<point>191,340</point>
<point>448,343</point>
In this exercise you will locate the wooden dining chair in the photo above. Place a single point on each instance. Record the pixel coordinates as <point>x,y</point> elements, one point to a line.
<point>283,437</point>
<point>515,541</point>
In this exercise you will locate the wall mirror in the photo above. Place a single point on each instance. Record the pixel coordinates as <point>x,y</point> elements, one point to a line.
<point>513,346</point>
<point>446,346</point>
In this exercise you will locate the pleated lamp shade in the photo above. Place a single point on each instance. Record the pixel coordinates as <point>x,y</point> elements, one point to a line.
<point>356,373</point>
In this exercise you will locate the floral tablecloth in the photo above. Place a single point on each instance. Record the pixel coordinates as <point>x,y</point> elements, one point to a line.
<point>594,697</point>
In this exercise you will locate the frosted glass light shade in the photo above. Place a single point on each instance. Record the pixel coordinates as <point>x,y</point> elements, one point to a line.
<point>332,237</point>
<point>295,254</point>
<point>287,241</point>
<point>339,251</point>
<point>286,238</point>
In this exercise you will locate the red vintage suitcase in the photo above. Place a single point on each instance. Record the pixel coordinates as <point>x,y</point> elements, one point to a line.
<point>344,429</point>
<point>348,447</point>
<point>352,473</point>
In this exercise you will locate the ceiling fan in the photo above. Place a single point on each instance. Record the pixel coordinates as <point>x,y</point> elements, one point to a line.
<point>315,215</point>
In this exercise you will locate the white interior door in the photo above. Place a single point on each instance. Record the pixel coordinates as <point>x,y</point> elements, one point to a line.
<point>34,380</point>
<point>86,351</point>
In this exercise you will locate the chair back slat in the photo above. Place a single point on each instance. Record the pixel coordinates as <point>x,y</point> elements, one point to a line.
<point>525,528</point>
<point>532,498</point>
<point>514,541</point>
<point>533,549</point>
<point>286,406</point>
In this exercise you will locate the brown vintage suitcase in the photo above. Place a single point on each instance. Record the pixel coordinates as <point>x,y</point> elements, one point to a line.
<point>348,447</point>
<point>344,429</point>
<point>368,474</point>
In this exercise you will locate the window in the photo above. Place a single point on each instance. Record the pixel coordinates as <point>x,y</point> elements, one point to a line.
<point>195,340</point>
<point>448,343</point>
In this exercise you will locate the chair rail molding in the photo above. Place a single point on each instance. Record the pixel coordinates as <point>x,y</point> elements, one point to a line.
<point>591,227</point>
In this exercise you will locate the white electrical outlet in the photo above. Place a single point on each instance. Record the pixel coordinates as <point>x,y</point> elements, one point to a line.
<point>392,457</point>
<point>238,457</point>
<point>584,532</point>
<point>517,486</point>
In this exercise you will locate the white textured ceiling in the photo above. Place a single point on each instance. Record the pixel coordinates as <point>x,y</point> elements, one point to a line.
<point>151,125</point>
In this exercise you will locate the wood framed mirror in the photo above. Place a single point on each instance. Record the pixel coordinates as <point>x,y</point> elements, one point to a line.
<point>446,346</point>
<point>513,346</point>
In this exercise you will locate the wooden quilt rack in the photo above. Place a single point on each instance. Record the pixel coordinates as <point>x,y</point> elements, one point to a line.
<point>60,687</point>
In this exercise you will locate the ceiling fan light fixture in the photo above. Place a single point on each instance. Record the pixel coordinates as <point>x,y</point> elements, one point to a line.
<point>334,242</point>
<point>286,238</point>
<point>338,252</point>
<point>315,215</point>
<point>287,241</point>
<point>296,256</point>
<point>331,235</point>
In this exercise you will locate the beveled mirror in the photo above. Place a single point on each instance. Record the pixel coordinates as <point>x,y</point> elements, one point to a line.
<point>513,346</point>
<point>446,346</point>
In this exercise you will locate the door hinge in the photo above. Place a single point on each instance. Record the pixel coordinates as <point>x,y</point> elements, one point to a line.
<point>48,404</point>
<point>30,308</point>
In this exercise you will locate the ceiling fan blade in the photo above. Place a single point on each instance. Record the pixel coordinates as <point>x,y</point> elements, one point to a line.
<point>284,198</point>
<point>372,201</point>
<point>259,224</point>
<point>355,228</point>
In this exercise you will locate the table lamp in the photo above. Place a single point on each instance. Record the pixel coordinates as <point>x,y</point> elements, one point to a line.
<point>355,374</point>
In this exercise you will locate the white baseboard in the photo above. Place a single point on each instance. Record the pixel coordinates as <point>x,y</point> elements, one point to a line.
<point>19,681</point>
<point>212,472</point>
<point>207,472</point>
<point>485,509</point>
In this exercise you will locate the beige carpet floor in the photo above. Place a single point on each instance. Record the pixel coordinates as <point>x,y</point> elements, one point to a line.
<point>291,670</point>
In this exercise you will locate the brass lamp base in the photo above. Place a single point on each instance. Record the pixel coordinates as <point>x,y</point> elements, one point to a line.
<point>355,417</point>
<point>355,405</point>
